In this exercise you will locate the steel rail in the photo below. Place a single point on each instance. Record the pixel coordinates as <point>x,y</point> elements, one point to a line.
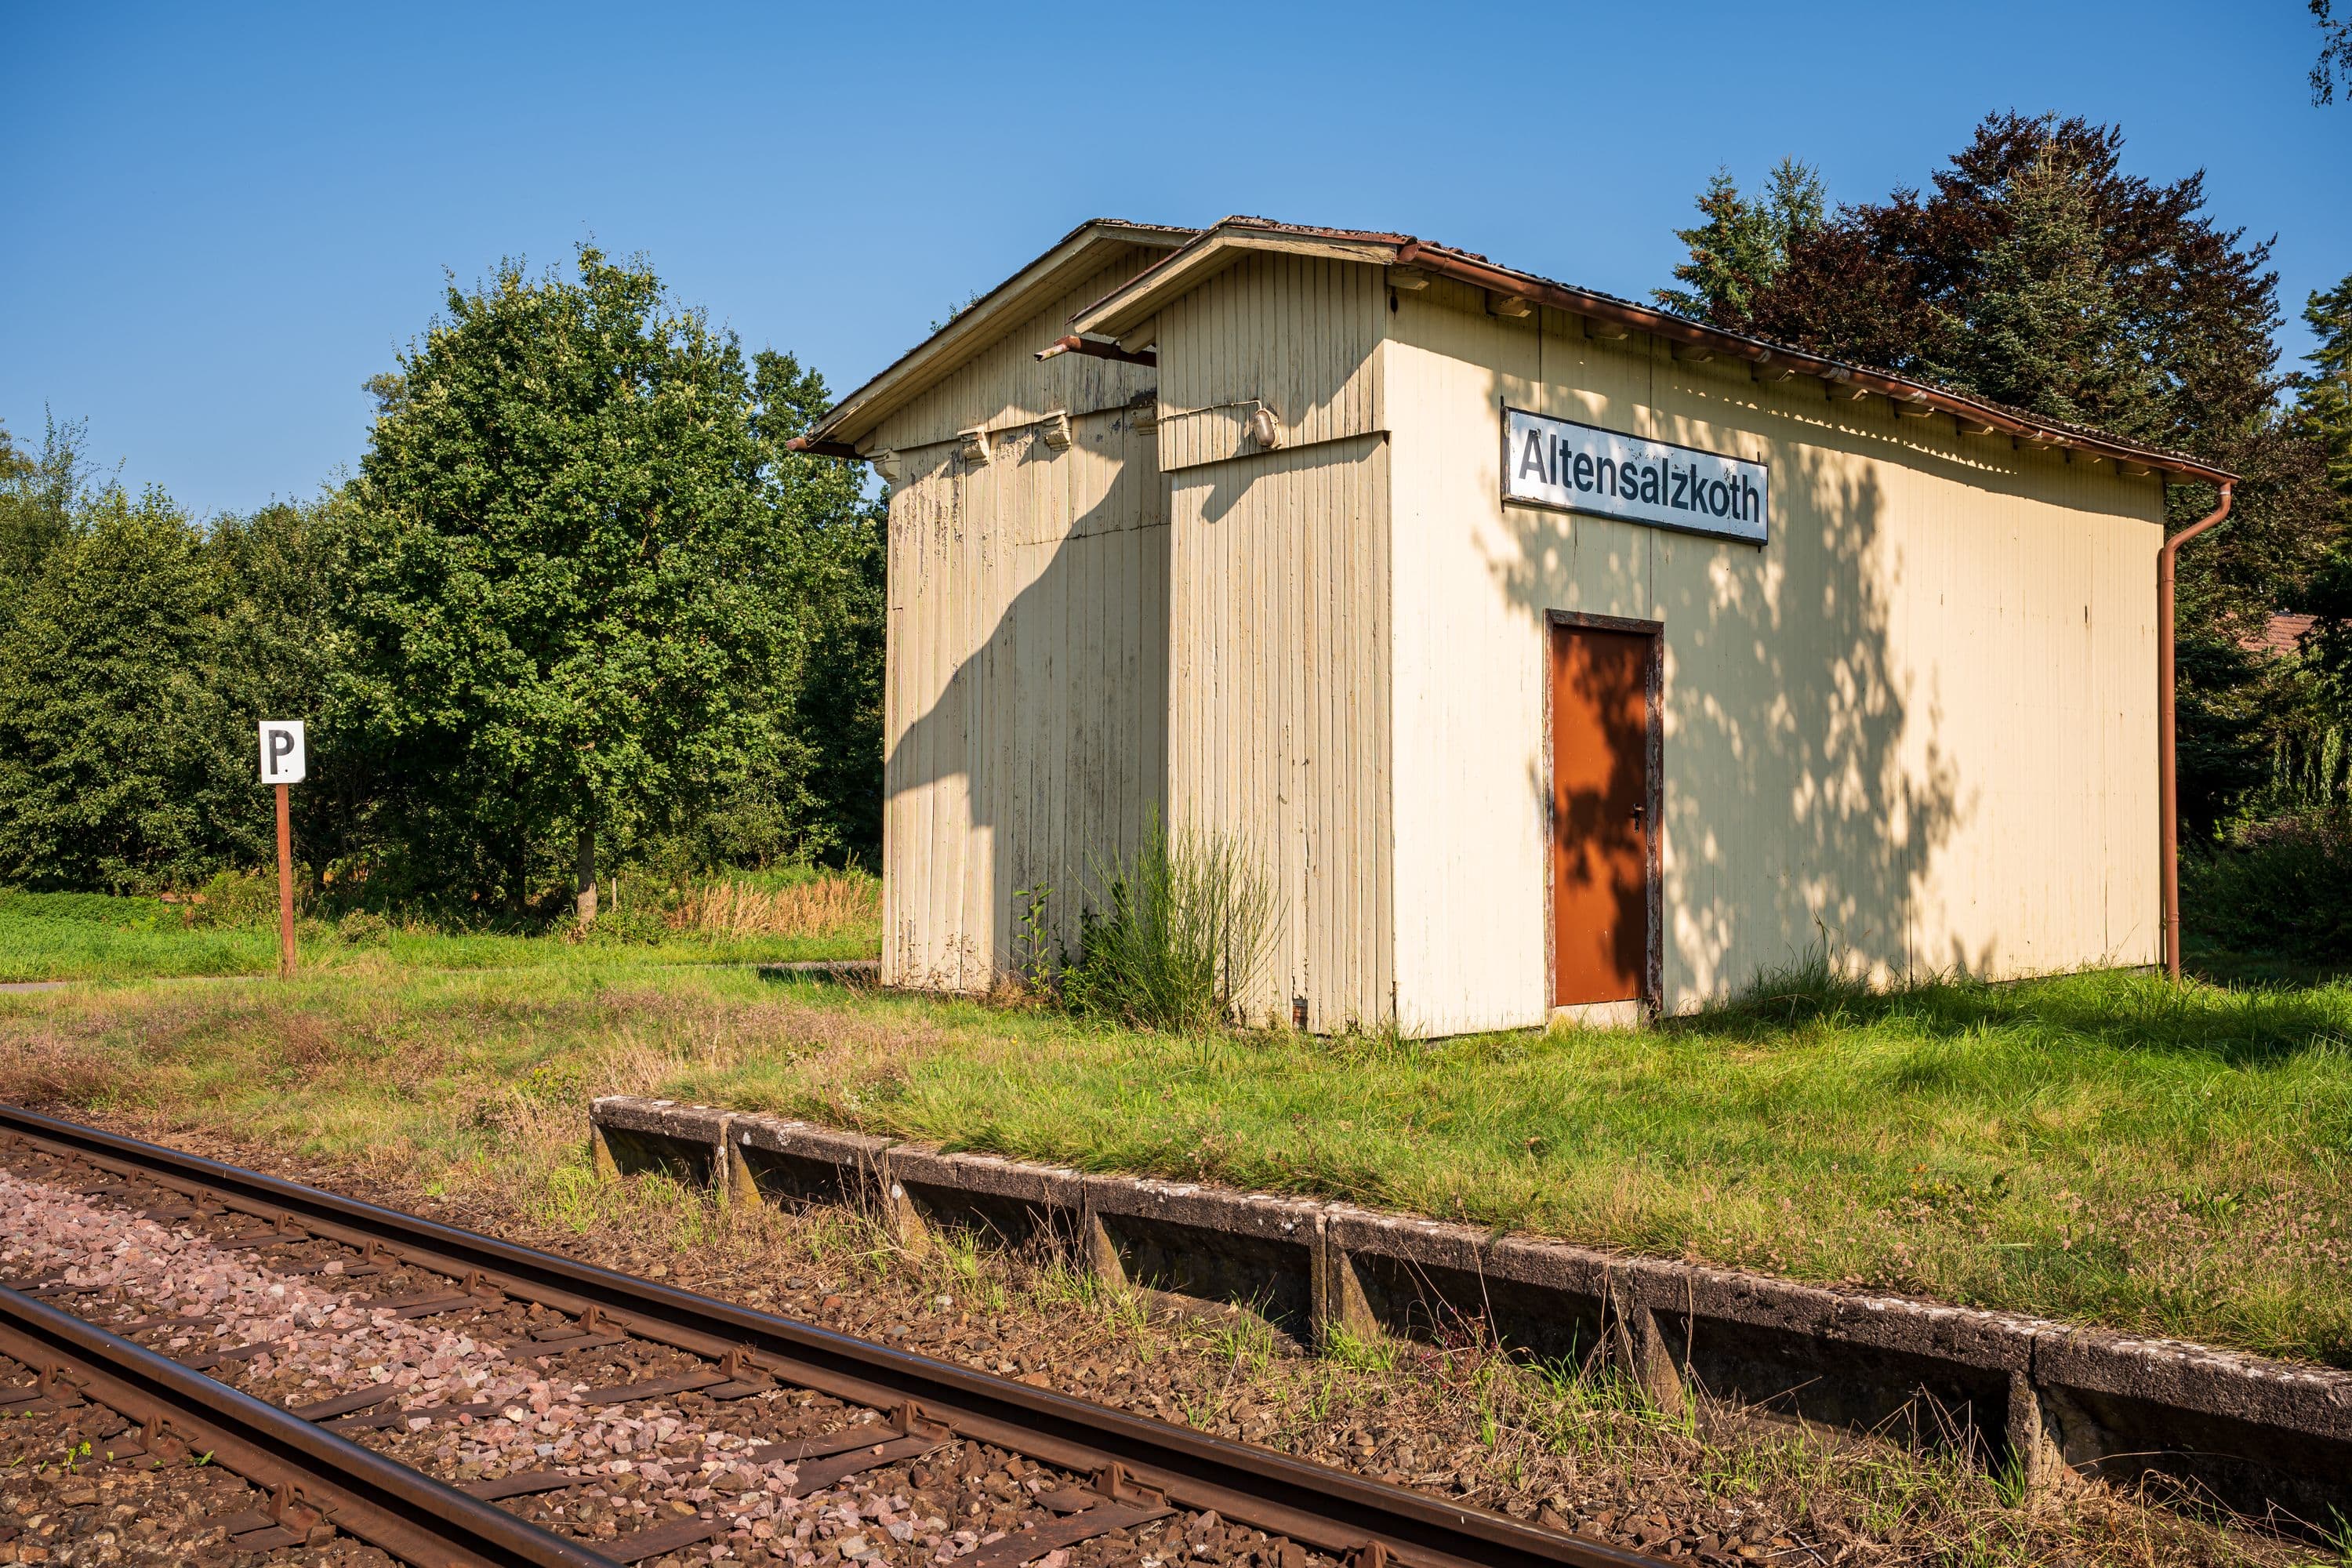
<point>358,1492</point>
<point>1323,1509</point>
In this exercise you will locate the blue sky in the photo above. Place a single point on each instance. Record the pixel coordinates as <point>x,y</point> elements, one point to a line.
<point>225,219</point>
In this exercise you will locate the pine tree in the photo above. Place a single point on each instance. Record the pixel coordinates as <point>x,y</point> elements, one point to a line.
<point>2034,270</point>
<point>1742,244</point>
<point>2322,413</point>
<point>2324,401</point>
<point>2046,331</point>
<point>2164,328</point>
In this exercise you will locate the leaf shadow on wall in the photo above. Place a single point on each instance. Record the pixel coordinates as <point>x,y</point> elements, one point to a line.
<point>1799,815</point>
<point>1048,707</point>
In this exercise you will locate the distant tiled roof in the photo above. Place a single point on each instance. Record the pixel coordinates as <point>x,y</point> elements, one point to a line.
<point>2280,637</point>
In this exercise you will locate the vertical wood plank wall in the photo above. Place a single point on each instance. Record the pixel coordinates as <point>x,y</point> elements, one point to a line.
<point>1278,614</point>
<point>1025,698</point>
<point>1293,332</point>
<point>1916,731</point>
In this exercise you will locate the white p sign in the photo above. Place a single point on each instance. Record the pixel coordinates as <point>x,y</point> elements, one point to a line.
<point>281,750</point>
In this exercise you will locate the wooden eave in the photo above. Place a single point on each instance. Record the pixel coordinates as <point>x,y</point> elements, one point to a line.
<point>1118,314</point>
<point>1081,251</point>
<point>1126,314</point>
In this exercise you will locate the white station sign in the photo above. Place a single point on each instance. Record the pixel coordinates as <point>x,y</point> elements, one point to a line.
<point>1582,467</point>
<point>282,758</point>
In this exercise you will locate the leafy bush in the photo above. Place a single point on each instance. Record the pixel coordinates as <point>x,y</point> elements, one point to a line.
<point>90,908</point>
<point>363,927</point>
<point>1190,923</point>
<point>615,928</point>
<point>2282,888</point>
<point>238,899</point>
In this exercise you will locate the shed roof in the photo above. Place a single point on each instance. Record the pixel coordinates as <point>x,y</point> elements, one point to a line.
<point>1194,255</point>
<point>1130,308</point>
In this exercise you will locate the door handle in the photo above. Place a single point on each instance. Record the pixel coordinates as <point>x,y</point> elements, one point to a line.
<point>1638,811</point>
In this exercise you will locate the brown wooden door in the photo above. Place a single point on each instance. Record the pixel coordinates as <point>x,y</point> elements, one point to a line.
<point>1600,808</point>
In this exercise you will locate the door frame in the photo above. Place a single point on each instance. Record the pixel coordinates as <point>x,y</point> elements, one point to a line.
<point>1654,683</point>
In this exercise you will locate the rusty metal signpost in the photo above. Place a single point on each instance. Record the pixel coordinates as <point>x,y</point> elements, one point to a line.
<point>283,762</point>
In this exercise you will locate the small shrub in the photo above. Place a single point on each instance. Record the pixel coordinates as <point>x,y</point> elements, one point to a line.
<point>1190,921</point>
<point>2281,887</point>
<point>363,927</point>
<point>624,926</point>
<point>238,900</point>
<point>1814,989</point>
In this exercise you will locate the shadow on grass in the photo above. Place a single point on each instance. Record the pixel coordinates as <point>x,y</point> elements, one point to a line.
<point>2271,1020</point>
<point>2225,966</point>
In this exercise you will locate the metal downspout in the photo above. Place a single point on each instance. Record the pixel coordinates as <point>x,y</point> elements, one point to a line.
<point>2168,763</point>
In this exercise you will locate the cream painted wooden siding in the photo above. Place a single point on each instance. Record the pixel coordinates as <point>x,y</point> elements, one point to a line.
<point>1005,385</point>
<point>1279,710</point>
<point>1026,697</point>
<point>1278,614</point>
<point>1293,333</point>
<point>1917,729</point>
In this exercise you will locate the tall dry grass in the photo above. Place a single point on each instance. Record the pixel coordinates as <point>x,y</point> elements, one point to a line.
<point>43,1068</point>
<point>826,905</point>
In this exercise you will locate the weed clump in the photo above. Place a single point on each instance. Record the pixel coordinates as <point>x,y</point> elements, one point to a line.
<point>46,1068</point>
<point>234,901</point>
<point>363,927</point>
<point>1187,924</point>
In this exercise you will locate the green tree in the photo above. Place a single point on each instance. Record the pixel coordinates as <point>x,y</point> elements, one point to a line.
<point>137,649</point>
<point>2043,330</point>
<point>2324,397</point>
<point>566,595</point>
<point>1741,245</point>
<point>275,660</point>
<point>37,495</point>
<point>122,763</point>
<point>2323,414</point>
<point>820,795</point>
<point>2334,52</point>
<point>834,715</point>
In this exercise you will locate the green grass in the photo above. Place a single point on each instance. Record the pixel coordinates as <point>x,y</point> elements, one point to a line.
<point>93,936</point>
<point>2101,1149</point>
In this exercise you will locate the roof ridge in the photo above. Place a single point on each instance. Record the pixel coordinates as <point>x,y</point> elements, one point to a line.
<point>2024,424</point>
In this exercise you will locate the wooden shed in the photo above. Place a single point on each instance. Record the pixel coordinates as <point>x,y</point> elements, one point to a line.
<point>1550,651</point>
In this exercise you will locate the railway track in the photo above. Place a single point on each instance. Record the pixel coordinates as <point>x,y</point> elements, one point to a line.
<point>503,1447</point>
